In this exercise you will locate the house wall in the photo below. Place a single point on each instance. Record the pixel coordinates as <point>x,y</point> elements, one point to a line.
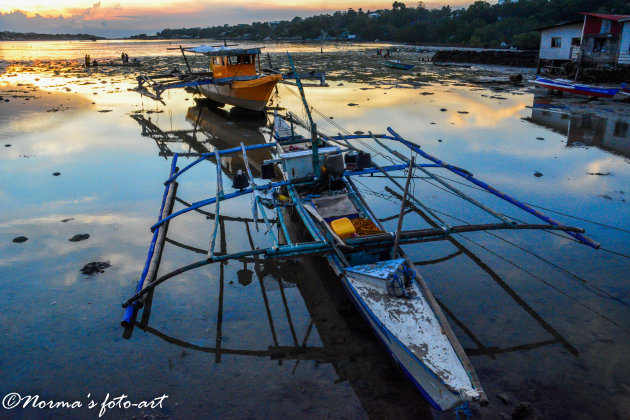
<point>566,33</point>
<point>600,42</point>
<point>593,26</point>
<point>624,45</point>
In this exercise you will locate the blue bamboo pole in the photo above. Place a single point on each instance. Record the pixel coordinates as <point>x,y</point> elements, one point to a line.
<point>285,231</point>
<point>212,200</point>
<point>285,250</point>
<point>492,190</point>
<point>131,311</point>
<point>313,127</point>
<point>204,156</point>
<point>218,202</point>
<point>209,201</point>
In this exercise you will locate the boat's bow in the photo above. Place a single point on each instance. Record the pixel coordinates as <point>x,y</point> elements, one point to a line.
<point>410,330</point>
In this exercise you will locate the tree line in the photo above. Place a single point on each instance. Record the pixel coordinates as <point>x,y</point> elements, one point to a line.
<point>481,24</point>
<point>33,36</point>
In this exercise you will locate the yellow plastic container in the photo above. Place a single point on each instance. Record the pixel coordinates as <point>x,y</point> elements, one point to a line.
<point>343,227</point>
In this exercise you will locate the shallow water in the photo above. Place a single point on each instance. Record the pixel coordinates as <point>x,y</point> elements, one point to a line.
<point>544,320</point>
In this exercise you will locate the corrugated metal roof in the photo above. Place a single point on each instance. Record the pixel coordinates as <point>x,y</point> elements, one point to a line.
<point>556,25</point>
<point>608,17</point>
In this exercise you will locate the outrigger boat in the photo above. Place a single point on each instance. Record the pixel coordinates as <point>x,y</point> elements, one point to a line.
<point>316,185</point>
<point>396,64</point>
<point>576,88</point>
<point>233,78</point>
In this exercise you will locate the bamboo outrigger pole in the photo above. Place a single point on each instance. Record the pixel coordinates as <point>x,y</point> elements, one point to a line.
<point>403,202</point>
<point>313,127</point>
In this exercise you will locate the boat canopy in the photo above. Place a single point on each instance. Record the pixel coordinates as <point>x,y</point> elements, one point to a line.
<point>222,51</point>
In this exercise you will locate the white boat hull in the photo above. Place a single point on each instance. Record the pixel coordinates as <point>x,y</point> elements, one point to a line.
<point>428,379</point>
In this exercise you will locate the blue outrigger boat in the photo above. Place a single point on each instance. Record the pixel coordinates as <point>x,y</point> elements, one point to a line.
<point>576,88</point>
<point>310,175</point>
<point>396,64</point>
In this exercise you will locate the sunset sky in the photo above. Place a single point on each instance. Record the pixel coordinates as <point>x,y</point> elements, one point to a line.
<point>114,19</point>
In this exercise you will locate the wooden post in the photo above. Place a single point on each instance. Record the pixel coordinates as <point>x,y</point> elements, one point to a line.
<point>402,207</point>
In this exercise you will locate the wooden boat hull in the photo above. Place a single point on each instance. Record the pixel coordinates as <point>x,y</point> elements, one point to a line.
<point>421,376</point>
<point>407,326</point>
<point>577,89</point>
<point>395,326</point>
<point>247,94</point>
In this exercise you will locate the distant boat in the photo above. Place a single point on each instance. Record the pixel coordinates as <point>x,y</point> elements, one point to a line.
<point>576,88</point>
<point>625,89</point>
<point>396,64</point>
<point>233,78</point>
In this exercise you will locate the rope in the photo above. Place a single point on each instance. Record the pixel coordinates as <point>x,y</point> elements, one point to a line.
<point>546,283</point>
<point>342,129</point>
<point>540,207</point>
<point>598,291</point>
<point>463,410</point>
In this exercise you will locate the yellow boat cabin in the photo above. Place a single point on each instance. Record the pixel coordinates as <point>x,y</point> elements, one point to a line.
<point>238,79</point>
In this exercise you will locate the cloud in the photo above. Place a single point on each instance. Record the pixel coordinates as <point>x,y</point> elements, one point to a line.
<point>115,20</point>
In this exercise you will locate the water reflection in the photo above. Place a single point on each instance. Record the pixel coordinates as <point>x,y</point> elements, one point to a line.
<point>341,346</point>
<point>336,334</point>
<point>582,128</point>
<point>482,349</point>
<point>212,128</point>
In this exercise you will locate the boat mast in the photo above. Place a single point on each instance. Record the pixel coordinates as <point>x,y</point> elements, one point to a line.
<point>316,168</point>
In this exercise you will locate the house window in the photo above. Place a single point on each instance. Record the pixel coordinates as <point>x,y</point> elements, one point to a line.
<point>556,42</point>
<point>606,24</point>
<point>575,42</point>
<point>621,129</point>
<point>599,45</point>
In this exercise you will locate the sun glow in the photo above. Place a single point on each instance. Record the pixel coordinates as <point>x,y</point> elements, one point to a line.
<point>105,10</point>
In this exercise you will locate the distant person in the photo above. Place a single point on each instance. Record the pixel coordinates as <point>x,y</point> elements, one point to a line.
<point>87,60</point>
<point>94,63</point>
<point>122,56</point>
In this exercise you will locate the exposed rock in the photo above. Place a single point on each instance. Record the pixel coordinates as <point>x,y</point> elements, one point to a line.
<point>538,174</point>
<point>95,267</point>
<point>56,173</point>
<point>505,397</point>
<point>20,239</point>
<point>79,237</point>
<point>524,411</point>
